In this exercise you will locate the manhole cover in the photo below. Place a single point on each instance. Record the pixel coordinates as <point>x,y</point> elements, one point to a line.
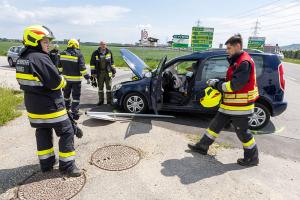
<point>116,157</point>
<point>52,186</point>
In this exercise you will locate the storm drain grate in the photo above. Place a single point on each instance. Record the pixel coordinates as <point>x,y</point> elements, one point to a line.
<point>51,185</point>
<point>116,157</point>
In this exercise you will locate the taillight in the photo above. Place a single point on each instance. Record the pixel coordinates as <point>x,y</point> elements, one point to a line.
<point>281,77</point>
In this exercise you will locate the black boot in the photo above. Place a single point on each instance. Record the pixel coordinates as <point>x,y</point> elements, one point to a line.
<point>73,172</point>
<point>248,162</point>
<point>250,157</point>
<point>100,103</point>
<point>48,168</point>
<point>199,148</point>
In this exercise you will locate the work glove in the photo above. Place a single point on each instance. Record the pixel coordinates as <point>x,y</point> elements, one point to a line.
<point>111,75</point>
<point>77,131</point>
<point>87,78</point>
<point>213,82</point>
<point>93,81</point>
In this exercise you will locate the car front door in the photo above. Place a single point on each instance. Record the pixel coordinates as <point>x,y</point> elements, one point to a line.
<point>213,67</point>
<point>156,86</point>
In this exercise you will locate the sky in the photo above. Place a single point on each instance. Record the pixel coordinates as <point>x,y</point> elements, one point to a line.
<point>120,21</point>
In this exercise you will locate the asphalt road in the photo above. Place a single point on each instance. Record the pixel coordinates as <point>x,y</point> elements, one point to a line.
<point>167,170</point>
<point>280,138</point>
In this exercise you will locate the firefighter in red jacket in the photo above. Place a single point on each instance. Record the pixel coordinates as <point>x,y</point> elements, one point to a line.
<point>239,91</point>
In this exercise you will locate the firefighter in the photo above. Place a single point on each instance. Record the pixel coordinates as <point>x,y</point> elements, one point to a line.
<point>239,92</point>
<point>72,66</point>
<point>44,102</point>
<point>54,55</point>
<point>103,70</point>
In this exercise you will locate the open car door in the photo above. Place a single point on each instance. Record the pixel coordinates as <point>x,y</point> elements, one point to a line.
<point>156,86</point>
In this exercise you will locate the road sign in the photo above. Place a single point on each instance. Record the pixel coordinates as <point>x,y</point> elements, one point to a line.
<point>256,43</point>
<point>202,38</point>
<point>181,41</point>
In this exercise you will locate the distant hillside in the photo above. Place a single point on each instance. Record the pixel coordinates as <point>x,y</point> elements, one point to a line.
<point>292,47</point>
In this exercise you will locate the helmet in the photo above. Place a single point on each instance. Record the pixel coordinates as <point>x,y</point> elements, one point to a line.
<point>73,43</point>
<point>33,34</point>
<point>211,99</point>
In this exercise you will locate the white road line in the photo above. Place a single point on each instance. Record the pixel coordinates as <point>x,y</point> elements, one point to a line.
<point>291,78</point>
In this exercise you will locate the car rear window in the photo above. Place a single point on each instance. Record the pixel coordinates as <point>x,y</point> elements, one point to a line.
<point>216,67</point>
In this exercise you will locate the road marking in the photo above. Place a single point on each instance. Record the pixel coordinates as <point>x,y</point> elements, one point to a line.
<point>291,78</point>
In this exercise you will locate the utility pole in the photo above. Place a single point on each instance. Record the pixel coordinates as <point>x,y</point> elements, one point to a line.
<point>256,28</point>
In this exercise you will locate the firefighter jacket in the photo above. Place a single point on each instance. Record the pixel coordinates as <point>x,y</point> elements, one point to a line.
<point>102,62</point>
<point>42,84</point>
<point>239,88</point>
<point>72,65</point>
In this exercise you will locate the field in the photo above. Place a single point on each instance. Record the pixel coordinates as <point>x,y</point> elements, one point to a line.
<point>292,60</point>
<point>151,56</point>
<point>9,99</point>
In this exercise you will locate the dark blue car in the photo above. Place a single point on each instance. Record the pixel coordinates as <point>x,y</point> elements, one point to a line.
<point>178,85</point>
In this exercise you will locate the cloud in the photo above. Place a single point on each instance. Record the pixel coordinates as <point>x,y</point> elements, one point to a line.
<point>75,15</point>
<point>144,26</point>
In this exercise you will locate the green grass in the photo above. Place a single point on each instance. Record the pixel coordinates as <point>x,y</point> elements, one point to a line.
<point>151,56</point>
<point>4,46</point>
<point>292,60</point>
<point>9,99</point>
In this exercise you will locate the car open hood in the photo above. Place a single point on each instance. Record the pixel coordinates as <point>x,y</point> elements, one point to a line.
<point>136,64</point>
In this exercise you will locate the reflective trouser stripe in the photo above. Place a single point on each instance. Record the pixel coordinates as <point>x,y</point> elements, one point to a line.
<point>211,134</point>
<point>92,67</point>
<point>77,101</point>
<point>108,90</point>
<point>67,99</point>
<point>29,83</point>
<point>44,154</point>
<point>65,157</point>
<point>250,144</point>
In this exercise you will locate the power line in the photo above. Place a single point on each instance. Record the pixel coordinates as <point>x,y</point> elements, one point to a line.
<point>270,13</point>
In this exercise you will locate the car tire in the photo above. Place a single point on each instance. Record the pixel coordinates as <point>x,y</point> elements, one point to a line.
<point>135,103</point>
<point>11,62</point>
<point>260,117</point>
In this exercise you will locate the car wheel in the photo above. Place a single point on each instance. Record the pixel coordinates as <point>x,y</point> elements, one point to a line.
<point>260,117</point>
<point>135,103</point>
<point>11,62</point>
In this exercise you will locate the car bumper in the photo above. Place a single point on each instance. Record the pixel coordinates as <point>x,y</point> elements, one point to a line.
<point>279,108</point>
<point>116,99</point>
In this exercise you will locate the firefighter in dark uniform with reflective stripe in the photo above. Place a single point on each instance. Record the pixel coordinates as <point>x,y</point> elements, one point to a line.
<point>72,66</point>
<point>239,94</point>
<point>44,102</point>
<point>102,68</point>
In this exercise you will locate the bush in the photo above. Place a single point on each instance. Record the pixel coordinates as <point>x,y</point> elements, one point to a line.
<point>9,100</point>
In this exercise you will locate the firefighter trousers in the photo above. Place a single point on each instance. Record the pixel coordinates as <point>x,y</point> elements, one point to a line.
<point>103,77</point>
<point>74,89</point>
<point>45,150</point>
<point>240,124</point>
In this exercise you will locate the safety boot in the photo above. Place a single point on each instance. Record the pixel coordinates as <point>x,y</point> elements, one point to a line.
<point>248,162</point>
<point>73,172</point>
<point>199,148</point>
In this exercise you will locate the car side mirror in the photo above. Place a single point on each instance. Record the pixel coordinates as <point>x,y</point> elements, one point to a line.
<point>148,74</point>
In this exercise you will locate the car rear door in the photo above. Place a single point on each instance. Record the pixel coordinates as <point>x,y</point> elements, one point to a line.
<point>212,67</point>
<point>156,86</point>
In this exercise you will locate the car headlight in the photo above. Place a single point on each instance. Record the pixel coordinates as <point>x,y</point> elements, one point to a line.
<point>116,87</point>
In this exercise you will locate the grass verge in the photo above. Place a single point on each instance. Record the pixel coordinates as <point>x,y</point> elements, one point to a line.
<point>292,60</point>
<point>9,100</point>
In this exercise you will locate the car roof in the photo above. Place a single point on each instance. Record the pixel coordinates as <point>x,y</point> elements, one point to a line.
<point>216,52</point>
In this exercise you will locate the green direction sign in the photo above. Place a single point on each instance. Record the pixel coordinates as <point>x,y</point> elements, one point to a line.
<point>256,43</point>
<point>181,41</point>
<point>202,38</point>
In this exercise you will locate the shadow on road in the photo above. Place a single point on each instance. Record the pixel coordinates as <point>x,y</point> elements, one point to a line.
<point>10,178</point>
<point>138,126</point>
<point>196,168</point>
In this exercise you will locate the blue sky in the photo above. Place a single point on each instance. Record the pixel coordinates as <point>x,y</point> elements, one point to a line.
<point>121,21</point>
